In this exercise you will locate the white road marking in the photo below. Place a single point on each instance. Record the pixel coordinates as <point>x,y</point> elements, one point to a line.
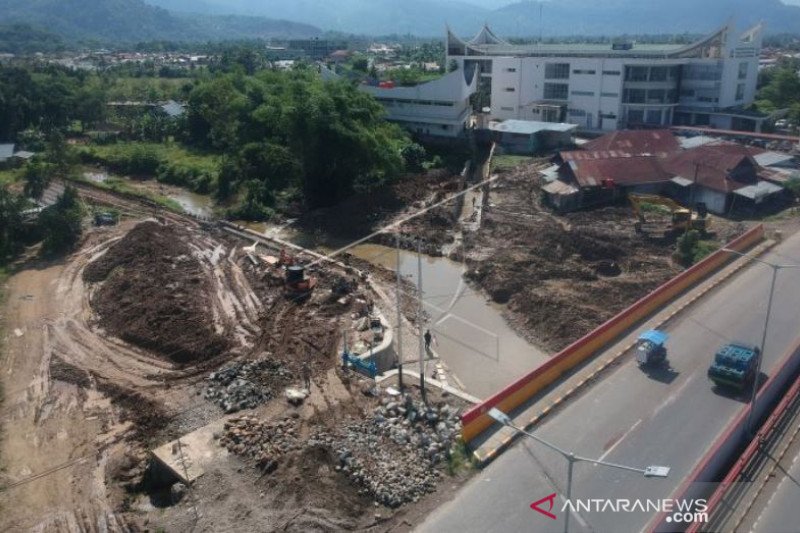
<point>608,451</point>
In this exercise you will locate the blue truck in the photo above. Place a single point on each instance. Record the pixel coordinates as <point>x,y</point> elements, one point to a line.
<point>735,366</point>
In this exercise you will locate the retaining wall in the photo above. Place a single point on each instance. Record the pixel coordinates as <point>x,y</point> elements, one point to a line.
<point>475,421</point>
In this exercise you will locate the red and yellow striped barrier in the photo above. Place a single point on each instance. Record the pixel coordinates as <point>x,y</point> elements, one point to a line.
<point>475,421</point>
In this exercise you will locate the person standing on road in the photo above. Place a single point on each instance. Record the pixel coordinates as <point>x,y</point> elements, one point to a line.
<point>305,370</point>
<point>428,339</point>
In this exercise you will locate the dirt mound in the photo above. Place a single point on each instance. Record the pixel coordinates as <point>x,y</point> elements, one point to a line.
<point>561,276</point>
<point>156,294</point>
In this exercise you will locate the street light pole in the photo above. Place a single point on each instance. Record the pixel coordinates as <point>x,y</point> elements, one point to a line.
<point>650,471</point>
<point>775,268</point>
<point>399,331</point>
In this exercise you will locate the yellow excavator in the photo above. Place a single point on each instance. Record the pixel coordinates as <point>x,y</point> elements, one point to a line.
<point>675,218</point>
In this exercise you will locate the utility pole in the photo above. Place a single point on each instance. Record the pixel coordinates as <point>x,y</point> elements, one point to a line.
<point>398,333</point>
<point>420,328</point>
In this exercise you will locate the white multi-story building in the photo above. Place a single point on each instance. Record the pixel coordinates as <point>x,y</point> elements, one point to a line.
<point>438,108</point>
<point>605,87</point>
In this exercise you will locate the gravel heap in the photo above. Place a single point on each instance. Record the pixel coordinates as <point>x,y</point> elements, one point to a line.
<point>266,443</point>
<point>393,457</point>
<point>244,384</point>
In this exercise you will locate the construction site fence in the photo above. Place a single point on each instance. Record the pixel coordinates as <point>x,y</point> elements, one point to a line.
<point>476,420</point>
<point>727,449</point>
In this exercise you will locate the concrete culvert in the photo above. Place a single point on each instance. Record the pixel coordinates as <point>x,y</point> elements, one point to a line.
<point>609,269</point>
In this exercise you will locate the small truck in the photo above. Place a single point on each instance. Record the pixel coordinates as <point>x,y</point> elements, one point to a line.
<point>735,366</point>
<point>651,348</point>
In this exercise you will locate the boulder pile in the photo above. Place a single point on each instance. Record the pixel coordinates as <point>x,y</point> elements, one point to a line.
<point>394,456</point>
<point>245,384</point>
<point>266,443</point>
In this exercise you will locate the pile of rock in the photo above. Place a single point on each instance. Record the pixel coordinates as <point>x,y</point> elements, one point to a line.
<point>431,430</point>
<point>247,436</point>
<point>394,456</point>
<point>244,384</point>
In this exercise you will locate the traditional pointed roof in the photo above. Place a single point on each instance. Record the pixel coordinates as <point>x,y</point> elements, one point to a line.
<point>487,36</point>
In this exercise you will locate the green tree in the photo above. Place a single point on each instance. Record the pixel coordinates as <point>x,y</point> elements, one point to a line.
<point>11,207</point>
<point>61,223</point>
<point>38,176</point>
<point>414,156</point>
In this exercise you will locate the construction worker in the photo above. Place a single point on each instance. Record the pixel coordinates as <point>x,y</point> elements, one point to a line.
<point>305,371</point>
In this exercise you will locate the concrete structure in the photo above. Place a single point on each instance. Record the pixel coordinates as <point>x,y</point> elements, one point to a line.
<point>438,108</point>
<point>603,87</point>
<point>528,136</point>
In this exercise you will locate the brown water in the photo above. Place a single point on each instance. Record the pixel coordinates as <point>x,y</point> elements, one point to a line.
<point>472,337</point>
<point>200,205</point>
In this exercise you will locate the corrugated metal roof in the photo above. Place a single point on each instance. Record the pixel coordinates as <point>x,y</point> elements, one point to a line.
<point>559,187</point>
<point>627,170</point>
<point>656,142</point>
<point>712,165</point>
<point>693,142</point>
<point>772,158</point>
<point>758,191</point>
<point>529,127</point>
<point>6,151</point>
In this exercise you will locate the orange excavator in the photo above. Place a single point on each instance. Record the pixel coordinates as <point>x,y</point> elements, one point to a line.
<point>298,285</point>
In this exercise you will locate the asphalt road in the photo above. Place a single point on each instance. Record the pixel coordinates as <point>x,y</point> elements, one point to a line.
<point>635,418</point>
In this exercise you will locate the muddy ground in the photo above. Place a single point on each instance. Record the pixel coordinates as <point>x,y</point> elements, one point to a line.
<point>561,276</point>
<point>107,360</point>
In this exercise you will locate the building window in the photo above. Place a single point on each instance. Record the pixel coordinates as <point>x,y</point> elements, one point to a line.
<point>653,116</point>
<point>556,91</point>
<point>611,73</point>
<point>672,96</point>
<point>510,89</point>
<point>582,93</point>
<point>694,71</point>
<point>511,69</point>
<point>635,116</point>
<point>507,108</point>
<point>656,96</point>
<point>636,73</point>
<point>634,96</point>
<point>610,95</point>
<point>577,113</point>
<point>579,71</point>
<point>658,73</point>
<point>740,91</point>
<point>556,71</point>
<point>608,115</point>
<point>742,71</point>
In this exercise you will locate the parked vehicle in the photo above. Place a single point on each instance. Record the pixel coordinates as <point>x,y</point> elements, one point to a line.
<point>735,366</point>
<point>651,349</point>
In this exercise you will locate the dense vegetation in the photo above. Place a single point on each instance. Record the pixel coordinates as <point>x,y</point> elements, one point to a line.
<point>23,39</point>
<point>293,134</point>
<point>779,88</point>
<point>258,140</point>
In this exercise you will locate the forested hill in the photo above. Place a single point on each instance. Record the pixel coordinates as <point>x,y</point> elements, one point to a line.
<point>116,21</point>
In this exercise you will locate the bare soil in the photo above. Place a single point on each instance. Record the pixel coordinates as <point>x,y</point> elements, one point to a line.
<point>110,362</point>
<point>562,276</point>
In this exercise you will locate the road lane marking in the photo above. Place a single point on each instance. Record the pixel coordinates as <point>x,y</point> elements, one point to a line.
<point>624,435</point>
